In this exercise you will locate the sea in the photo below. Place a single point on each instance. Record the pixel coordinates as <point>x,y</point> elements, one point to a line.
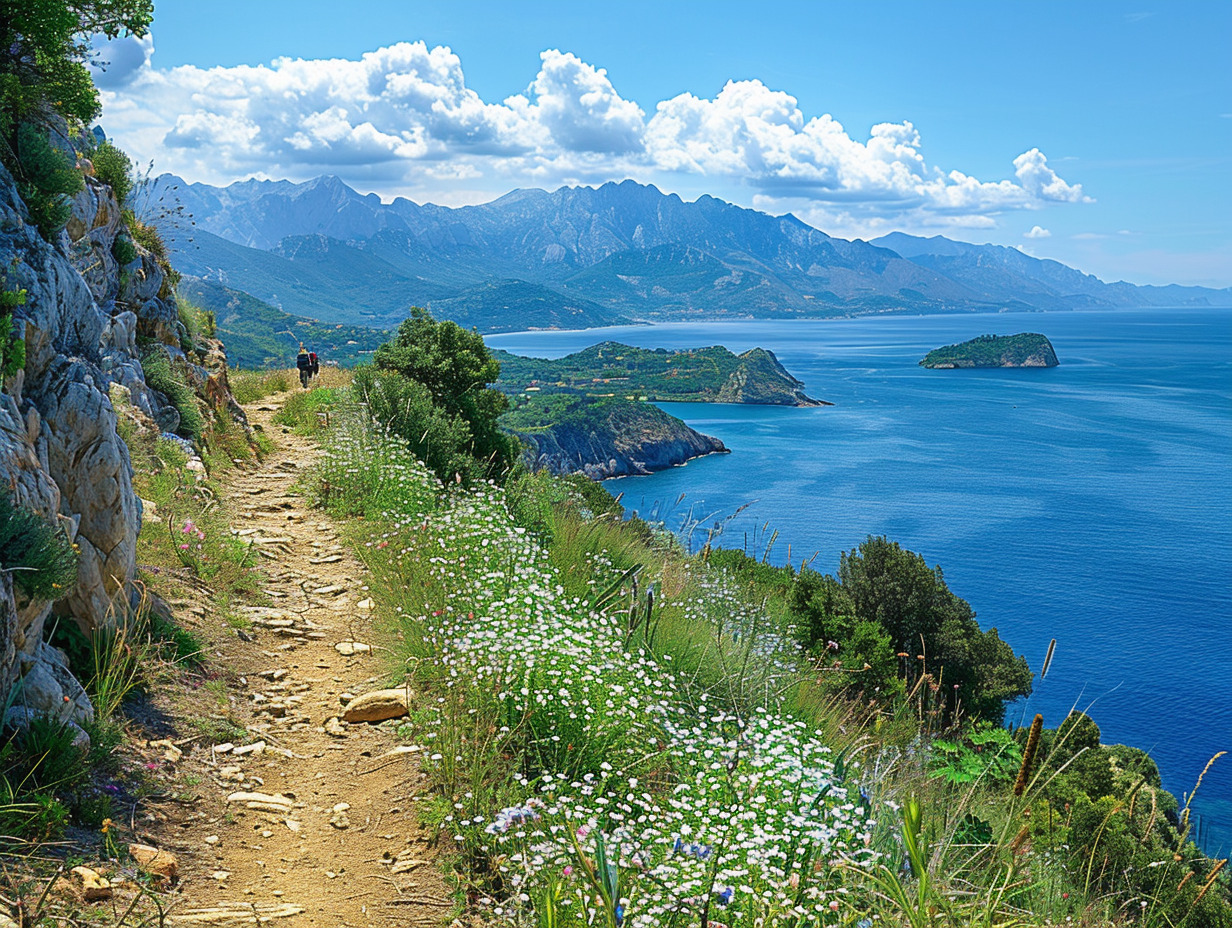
<point>1090,502</point>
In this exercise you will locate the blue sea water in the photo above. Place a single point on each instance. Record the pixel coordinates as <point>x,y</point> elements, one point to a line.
<point>1090,502</point>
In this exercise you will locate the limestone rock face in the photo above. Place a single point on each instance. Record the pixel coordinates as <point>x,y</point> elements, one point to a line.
<point>60,452</point>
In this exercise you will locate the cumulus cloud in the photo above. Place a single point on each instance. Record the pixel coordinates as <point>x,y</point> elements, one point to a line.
<point>1031,168</point>
<point>581,109</point>
<point>402,119</point>
<point>1037,232</point>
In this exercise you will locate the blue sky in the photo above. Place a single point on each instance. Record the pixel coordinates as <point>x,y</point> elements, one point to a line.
<point>1096,133</point>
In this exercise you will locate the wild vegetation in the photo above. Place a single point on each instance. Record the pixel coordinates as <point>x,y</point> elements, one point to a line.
<point>43,78</point>
<point>612,369</point>
<point>618,731</point>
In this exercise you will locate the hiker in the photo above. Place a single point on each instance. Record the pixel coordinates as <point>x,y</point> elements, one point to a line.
<point>303,362</point>
<point>316,363</point>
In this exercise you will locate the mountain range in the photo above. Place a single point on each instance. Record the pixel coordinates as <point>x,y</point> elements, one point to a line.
<point>579,257</point>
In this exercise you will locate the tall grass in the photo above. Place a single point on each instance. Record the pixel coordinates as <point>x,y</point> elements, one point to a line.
<point>253,386</point>
<point>616,731</point>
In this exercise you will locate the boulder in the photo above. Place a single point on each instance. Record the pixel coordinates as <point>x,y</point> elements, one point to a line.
<point>162,866</point>
<point>376,706</point>
<point>93,886</point>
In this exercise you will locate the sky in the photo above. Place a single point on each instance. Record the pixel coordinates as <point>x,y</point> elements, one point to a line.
<point>1096,133</point>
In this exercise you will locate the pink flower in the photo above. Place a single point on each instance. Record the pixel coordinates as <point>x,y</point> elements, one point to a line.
<point>568,871</point>
<point>184,547</point>
<point>189,527</point>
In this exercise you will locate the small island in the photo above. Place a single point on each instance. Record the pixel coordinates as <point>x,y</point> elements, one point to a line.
<point>602,437</point>
<point>702,375</point>
<point>1028,349</point>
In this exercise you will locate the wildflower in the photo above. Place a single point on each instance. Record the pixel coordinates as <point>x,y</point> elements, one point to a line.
<point>724,897</point>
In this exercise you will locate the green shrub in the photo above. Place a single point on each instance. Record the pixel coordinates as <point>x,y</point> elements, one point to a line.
<point>46,180</point>
<point>41,757</point>
<point>43,562</point>
<point>39,817</point>
<point>455,367</point>
<point>196,324</point>
<point>123,250</point>
<point>161,376</point>
<point>114,168</point>
<point>45,50</point>
<point>12,348</point>
<point>406,407</point>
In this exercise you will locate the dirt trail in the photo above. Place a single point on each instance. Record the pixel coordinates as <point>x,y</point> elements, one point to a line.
<point>333,839</point>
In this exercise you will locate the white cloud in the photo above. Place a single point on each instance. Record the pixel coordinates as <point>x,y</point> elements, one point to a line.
<point>402,120</point>
<point>1031,168</point>
<point>1037,232</point>
<point>116,62</point>
<point>582,110</point>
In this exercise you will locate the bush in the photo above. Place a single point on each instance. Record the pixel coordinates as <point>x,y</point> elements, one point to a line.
<point>196,324</point>
<point>45,49</point>
<point>46,180</point>
<point>41,757</point>
<point>43,562</point>
<point>114,168</point>
<point>161,376</point>
<point>439,438</point>
<point>455,367</point>
<point>124,251</point>
<point>12,348</point>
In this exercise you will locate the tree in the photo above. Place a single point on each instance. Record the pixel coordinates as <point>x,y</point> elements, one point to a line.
<point>821,608</point>
<point>455,367</point>
<point>894,587</point>
<point>43,49</point>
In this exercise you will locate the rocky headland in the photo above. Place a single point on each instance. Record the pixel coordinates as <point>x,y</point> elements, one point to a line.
<point>609,438</point>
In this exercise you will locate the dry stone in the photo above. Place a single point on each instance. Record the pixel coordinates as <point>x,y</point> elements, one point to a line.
<point>376,706</point>
<point>161,865</point>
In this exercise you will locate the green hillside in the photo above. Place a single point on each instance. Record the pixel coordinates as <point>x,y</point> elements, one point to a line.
<point>1028,349</point>
<point>515,305</point>
<point>708,375</point>
<point>258,335</point>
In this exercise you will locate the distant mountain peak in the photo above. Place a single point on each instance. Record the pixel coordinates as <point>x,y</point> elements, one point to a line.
<point>622,249</point>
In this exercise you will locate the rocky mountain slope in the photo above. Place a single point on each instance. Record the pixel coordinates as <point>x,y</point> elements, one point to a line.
<point>321,249</point>
<point>90,328</point>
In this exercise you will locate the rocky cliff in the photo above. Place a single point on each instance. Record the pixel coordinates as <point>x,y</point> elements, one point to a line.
<point>614,439</point>
<point>762,379</point>
<point>87,323</point>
